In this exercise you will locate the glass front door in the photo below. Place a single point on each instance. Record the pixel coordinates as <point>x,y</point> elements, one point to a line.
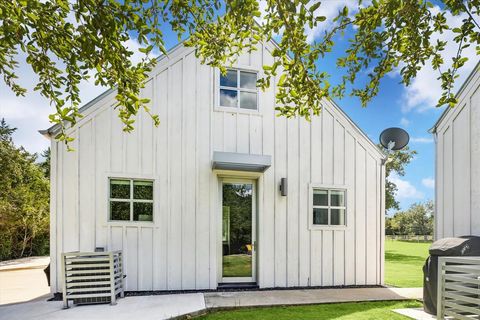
<point>238,231</point>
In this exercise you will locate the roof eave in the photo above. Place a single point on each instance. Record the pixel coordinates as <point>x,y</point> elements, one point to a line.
<point>54,129</point>
<point>382,155</point>
<point>46,133</point>
<point>433,129</point>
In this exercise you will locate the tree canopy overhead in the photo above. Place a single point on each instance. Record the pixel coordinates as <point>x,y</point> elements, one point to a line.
<point>66,42</point>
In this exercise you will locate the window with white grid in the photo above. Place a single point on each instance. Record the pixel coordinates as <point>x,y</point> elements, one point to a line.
<point>328,207</point>
<point>238,89</point>
<point>130,200</point>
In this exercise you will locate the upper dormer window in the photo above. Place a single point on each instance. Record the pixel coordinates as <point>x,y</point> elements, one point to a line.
<point>238,89</point>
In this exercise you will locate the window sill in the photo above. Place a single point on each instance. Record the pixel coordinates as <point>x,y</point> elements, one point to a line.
<point>326,227</point>
<point>238,110</point>
<point>150,224</point>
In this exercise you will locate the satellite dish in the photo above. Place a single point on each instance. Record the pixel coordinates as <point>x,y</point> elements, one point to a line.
<point>394,139</point>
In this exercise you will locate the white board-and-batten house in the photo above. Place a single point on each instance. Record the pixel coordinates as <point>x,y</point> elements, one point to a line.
<point>457,163</point>
<point>196,204</point>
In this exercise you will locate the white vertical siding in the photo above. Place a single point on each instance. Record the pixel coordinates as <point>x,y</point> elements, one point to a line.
<point>339,179</point>
<point>360,222</point>
<point>176,204</point>
<point>160,237</point>
<point>145,259</point>
<point>280,237</point>
<point>203,83</point>
<point>474,100</point>
<point>457,192</point>
<point>86,186</point>
<point>266,215</point>
<point>189,173</point>
<point>439,184</point>
<point>101,164</point>
<point>53,216</point>
<point>178,250</point>
<point>350,233</point>
<point>131,249</point>
<point>304,247</point>
<point>293,212</point>
<point>371,239</point>
<point>461,172</point>
<point>70,213</point>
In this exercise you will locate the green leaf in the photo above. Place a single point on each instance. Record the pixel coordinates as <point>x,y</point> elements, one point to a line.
<point>315,6</point>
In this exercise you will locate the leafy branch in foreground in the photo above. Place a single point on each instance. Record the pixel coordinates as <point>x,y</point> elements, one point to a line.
<point>66,42</point>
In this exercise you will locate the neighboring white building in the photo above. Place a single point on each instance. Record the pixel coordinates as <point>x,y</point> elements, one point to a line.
<point>196,202</point>
<point>457,177</point>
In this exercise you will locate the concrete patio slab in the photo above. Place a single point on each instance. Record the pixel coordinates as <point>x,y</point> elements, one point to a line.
<point>307,296</point>
<point>25,263</point>
<point>415,313</point>
<point>23,280</point>
<point>168,306</point>
<point>129,308</point>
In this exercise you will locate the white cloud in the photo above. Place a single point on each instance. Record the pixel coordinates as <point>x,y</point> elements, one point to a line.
<point>421,140</point>
<point>30,113</point>
<point>406,190</point>
<point>424,91</point>
<point>404,122</point>
<point>262,6</point>
<point>134,45</point>
<point>330,10</point>
<point>429,183</point>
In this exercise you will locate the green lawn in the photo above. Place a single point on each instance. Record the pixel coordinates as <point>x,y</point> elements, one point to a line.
<point>404,261</point>
<point>237,265</point>
<point>340,311</point>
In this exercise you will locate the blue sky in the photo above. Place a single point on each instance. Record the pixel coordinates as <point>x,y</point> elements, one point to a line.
<point>412,108</point>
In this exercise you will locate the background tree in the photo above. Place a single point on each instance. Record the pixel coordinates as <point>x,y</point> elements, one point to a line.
<point>66,42</point>
<point>397,161</point>
<point>45,163</point>
<point>24,201</point>
<point>417,220</point>
<point>421,218</point>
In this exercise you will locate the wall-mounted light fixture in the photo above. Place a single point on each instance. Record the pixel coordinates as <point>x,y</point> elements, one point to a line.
<point>283,186</point>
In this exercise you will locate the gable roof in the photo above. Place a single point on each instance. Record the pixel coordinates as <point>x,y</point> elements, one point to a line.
<point>359,130</point>
<point>56,127</point>
<point>53,130</point>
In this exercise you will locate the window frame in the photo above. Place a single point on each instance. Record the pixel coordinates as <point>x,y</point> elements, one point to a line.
<point>238,89</point>
<point>131,200</point>
<point>311,206</point>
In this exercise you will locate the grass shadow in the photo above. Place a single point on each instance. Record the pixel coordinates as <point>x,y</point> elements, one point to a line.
<point>403,258</point>
<point>414,241</point>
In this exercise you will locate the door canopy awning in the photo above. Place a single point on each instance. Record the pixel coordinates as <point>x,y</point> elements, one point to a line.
<point>240,161</point>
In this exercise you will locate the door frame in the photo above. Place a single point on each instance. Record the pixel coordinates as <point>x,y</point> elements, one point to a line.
<point>239,180</point>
